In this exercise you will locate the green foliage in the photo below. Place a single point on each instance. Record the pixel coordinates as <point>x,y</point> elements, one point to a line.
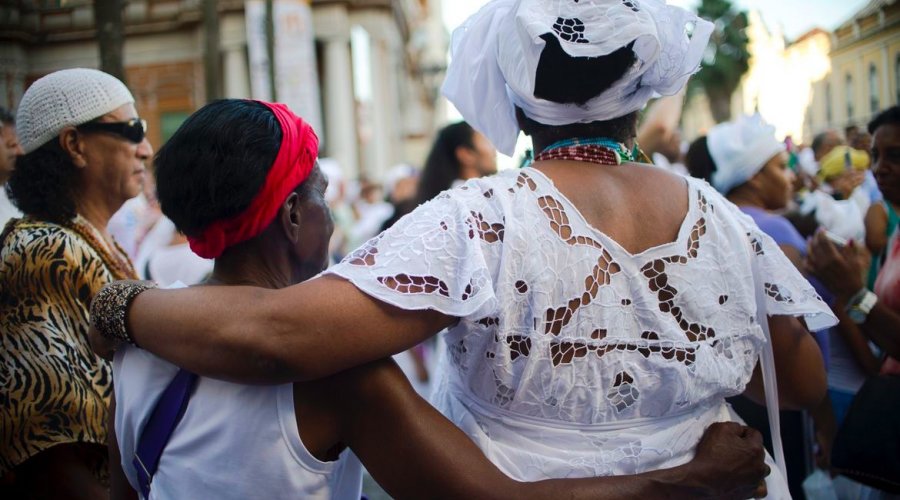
<point>727,58</point>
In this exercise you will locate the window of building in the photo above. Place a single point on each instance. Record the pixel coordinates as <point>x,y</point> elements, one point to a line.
<point>874,98</point>
<point>828,109</point>
<point>848,87</point>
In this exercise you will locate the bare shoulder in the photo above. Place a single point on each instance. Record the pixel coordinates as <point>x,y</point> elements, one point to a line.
<point>656,175</point>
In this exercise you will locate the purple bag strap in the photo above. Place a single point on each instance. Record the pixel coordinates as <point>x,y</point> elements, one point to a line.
<point>163,420</point>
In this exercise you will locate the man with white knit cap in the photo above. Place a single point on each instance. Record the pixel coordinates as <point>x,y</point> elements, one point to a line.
<point>84,151</point>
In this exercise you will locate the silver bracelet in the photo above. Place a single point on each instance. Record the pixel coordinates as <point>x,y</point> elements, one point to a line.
<point>109,308</point>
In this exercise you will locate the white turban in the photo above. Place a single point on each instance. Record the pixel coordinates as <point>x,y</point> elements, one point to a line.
<point>495,54</point>
<point>740,149</point>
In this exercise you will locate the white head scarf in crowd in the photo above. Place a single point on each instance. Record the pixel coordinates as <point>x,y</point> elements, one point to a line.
<point>495,54</point>
<point>740,149</point>
<point>65,98</point>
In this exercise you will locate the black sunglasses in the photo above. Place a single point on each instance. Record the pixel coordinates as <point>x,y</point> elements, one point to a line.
<point>133,130</point>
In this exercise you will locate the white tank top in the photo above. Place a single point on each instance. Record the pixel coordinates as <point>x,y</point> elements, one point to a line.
<point>234,441</point>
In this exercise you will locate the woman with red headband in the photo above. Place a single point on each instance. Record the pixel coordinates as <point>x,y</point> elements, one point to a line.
<point>240,179</point>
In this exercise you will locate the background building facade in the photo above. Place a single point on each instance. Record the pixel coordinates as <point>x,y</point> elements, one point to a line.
<point>823,80</point>
<point>865,69</point>
<point>376,62</point>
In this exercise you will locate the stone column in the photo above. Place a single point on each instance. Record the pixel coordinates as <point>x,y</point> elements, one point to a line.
<point>235,67</point>
<point>385,49</point>
<point>340,115</point>
<point>887,93</point>
<point>237,83</point>
<point>13,68</point>
<point>331,23</point>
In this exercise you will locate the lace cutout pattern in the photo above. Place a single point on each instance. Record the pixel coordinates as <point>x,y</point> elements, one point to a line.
<point>556,322</point>
<point>775,292</point>
<point>655,272</point>
<point>623,394</point>
<point>756,245</point>
<point>559,317</point>
<point>570,30</point>
<point>524,180</point>
<point>504,394</point>
<point>519,345</point>
<point>405,283</point>
<point>566,352</point>
<point>491,233</point>
<point>458,351</point>
<point>488,322</point>
<point>364,255</point>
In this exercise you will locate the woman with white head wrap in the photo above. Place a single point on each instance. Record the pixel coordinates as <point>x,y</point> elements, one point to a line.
<point>745,162</point>
<point>598,310</point>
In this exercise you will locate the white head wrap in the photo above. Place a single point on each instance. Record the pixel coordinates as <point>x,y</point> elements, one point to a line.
<point>740,149</point>
<point>495,54</point>
<point>65,98</point>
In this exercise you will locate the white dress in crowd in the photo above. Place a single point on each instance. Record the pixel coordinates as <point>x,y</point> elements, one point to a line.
<point>234,441</point>
<point>166,264</point>
<point>845,218</point>
<point>7,209</point>
<point>573,357</point>
<point>129,224</point>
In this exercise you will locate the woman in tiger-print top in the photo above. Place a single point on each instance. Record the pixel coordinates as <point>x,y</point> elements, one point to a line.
<point>55,390</point>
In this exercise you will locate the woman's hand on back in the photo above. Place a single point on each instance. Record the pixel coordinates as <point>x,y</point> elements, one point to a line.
<point>730,458</point>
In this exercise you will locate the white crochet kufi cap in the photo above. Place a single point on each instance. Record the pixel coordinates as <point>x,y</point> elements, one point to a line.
<point>66,98</point>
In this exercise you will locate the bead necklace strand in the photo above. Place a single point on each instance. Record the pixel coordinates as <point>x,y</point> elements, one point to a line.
<point>600,150</point>
<point>114,257</point>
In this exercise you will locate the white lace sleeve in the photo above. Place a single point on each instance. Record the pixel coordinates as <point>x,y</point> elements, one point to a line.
<point>788,292</point>
<point>437,257</point>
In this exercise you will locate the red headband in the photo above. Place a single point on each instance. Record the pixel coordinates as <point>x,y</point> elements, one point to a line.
<point>296,159</point>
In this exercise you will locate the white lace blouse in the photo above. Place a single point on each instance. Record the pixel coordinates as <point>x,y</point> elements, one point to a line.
<point>573,357</point>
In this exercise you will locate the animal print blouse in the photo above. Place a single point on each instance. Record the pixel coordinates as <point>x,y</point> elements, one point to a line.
<point>53,388</point>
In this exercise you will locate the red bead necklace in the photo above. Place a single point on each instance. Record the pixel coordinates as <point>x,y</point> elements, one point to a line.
<point>590,153</point>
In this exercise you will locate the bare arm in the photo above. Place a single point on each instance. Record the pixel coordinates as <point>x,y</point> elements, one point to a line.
<point>793,255</point>
<point>798,365</point>
<point>876,229</point>
<point>254,335</point>
<point>660,122</point>
<point>856,342</point>
<point>841,271</point>
<point>883,327</point>
<point>414,452</point>
<point>119,488</point>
